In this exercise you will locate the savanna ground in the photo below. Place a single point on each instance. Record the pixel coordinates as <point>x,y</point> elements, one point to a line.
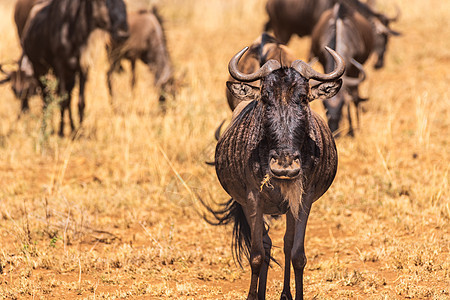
<point>113,214</point>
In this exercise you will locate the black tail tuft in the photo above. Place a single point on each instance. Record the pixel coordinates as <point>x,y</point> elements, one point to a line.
<point>232,212</point>
<point>228,212</point>
<point>268,26</point>
<point>217,132</point>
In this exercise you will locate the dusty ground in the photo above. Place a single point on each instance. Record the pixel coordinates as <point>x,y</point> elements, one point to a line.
<point>113,213</point>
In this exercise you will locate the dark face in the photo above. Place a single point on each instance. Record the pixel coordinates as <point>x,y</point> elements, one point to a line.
<point>333,108</point>
<point>381,41</point>
<point>22,85</point>
<point>111,15</point>
<point>284,94</point>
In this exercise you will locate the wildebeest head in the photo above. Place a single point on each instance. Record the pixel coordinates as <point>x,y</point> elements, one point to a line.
<point>111,15</point>
<point>23,83</point>
<point>285,94</point>
<point>382,34</point>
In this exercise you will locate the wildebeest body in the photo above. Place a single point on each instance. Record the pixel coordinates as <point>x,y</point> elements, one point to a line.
<point>147,42</point>
<point>288,17</point>
<point>246,144</point>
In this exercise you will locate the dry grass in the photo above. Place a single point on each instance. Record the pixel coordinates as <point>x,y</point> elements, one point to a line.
<point>112,214</point>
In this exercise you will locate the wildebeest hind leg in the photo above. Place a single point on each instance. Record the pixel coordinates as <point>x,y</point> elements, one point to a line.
<point>133,74</point>
<point>81,100</point>
<point>267,242</point>
<point>288,243</point>
<point>350,123</point>
<point>108,78</point>
<point>24,108</point>
<point>65,92</point>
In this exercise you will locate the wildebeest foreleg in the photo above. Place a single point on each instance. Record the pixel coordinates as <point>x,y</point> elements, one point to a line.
<point>24,105</point>
<point>298,256</point>
<point>267,242</point>
<point>65,92</point>
<point>81,100</point>
<point>288,243</point>
<point>254,214</point>
<point>133,74</point>
<point>350,123</point>
<point>113,66</point>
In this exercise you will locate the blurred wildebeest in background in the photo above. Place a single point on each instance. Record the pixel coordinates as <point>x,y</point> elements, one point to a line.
<point>350,34</point>
<point>276,157</point>
<point>147,42</point>
<point>380,27</point>
<point>23,83</point>
<point>264,48</point>
<point>56,36</point>
<point>288,17</point>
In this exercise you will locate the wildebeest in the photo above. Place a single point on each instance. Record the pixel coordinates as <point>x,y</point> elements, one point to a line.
<point>350,34</point>
<point>23,84</point>
<point>146,42</point>
<point>22,81</point>
<point>56,36</point>
<point>264,48</point>
<point>288,17</point>
<point>276,157</point>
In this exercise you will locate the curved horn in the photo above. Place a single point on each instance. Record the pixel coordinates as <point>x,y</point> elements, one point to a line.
<point>266,69</point>
<point>309,73</point>
<point>351,81</point>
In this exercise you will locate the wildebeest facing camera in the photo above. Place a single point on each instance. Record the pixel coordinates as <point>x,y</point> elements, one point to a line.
<point>276,157</point>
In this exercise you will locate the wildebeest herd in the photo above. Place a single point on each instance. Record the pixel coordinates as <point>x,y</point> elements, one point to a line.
<point>54,35</point>
<point>277,156</point>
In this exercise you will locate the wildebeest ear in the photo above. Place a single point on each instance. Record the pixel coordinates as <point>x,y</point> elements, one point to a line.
<point>325,90</point>
<point>243,91</point>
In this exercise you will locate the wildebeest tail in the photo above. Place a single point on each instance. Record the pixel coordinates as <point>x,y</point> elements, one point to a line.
<point>232,212</point>
<point>267,26</point>
<point>217,137</point>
